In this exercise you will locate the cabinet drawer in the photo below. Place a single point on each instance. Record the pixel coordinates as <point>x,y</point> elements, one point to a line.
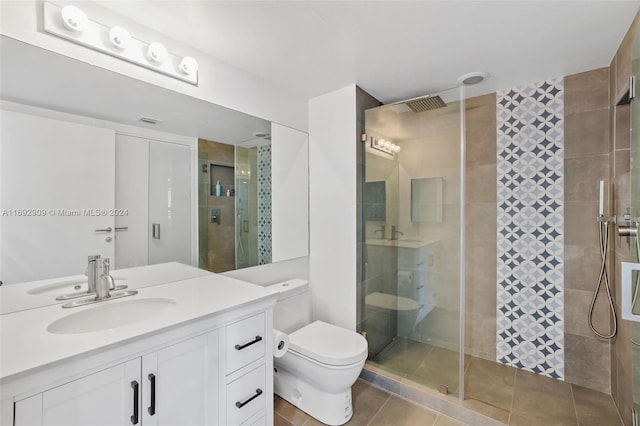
<point>246,396</point>
<point>245,342</point>
<point>260,420</point>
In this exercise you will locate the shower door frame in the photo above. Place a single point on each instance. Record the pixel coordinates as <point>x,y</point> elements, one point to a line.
<point>461,242</point>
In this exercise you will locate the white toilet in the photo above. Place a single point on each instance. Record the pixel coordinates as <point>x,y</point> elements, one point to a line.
<point>323,361</point>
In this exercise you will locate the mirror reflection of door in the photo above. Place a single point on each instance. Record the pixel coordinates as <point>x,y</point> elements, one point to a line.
<point>52,202</point>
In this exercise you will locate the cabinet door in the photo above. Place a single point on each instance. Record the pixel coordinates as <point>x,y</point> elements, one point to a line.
<point>57,183</point>
<point>132,193</point>
<point>181,383</point>
<point>169,203</point>
<point>108,397</point>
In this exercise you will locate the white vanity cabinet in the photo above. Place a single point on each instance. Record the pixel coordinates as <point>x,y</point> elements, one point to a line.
<point>101,398</point>
<point>222,376</point>
<point>417,263</point>
<point>180,383</point>
<point>177,385</point>
<point>246,374</point>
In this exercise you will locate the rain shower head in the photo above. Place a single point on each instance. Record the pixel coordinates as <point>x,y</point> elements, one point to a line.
<point>425,103</point>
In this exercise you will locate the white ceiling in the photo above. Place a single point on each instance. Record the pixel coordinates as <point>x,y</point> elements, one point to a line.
<point>393,49</point>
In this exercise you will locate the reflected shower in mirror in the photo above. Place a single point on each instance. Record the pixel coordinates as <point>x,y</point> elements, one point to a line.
<point>84,145</point>
<point>426,200</point>
<point>234,204</point>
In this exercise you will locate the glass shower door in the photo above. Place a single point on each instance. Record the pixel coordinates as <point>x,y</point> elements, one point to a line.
<point>634,203</point>
<point>412,249</point>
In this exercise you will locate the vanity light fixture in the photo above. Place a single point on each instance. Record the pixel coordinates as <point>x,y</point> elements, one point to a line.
<point>74,19</point>
<point>119,37</point>
<point>188,65</point>
<point>385,146</point>
<point>69,22</point>
<point>156,52</point>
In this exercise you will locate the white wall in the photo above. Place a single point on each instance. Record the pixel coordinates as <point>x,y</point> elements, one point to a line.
<point>332,206</point>
<point>273,272</point>
<point>289,193</point>
<point>219,82</point>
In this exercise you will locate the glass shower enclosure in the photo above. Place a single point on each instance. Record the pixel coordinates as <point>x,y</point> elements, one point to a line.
<point>634,210</point>
<point>411,291</point>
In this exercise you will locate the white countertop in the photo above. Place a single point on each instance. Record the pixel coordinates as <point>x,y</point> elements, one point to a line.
<point>402,243</point>
<point>25,342</point>
<point>34,294</point>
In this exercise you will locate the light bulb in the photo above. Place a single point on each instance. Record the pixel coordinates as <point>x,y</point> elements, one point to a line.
<point>156,53</point>
<point>380,142</point>
<point>387,144</point>
<point>188,65</point>
<point>74,19</point>
<point>119,37</point>
<point>396,148</point>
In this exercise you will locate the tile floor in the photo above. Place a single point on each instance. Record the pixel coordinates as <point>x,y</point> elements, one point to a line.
<point>507,394</point>
<point>371,406</point>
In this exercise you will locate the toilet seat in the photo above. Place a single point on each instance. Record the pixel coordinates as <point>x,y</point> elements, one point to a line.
<point>328,344</point>
<point>391,302</point>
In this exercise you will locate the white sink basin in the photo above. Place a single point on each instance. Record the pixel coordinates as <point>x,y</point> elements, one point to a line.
<point>110,315</point>
<point>64,287</point>
<point>72,285</point>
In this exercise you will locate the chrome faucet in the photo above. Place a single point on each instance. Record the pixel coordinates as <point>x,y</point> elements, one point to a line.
<point>382,231</point>
<point>106,282</point>
<point>93,273</point>
<point>100,282</point>
<point>395,232</point>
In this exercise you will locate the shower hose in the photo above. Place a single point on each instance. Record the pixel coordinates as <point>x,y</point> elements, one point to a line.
<point>604,241</point>
<point>603,278</point>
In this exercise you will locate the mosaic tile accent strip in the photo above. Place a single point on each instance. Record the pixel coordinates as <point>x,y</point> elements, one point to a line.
<point>264,204</point>
<point>530,265</point>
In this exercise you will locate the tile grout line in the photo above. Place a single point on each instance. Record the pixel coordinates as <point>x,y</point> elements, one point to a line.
<point>573,399</point>
<point>617,410</point>
<point>436,419</point>
<point>513,396</point>
<point>379,409</point>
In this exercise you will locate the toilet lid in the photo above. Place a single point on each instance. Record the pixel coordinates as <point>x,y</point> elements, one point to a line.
<point>328,344</point>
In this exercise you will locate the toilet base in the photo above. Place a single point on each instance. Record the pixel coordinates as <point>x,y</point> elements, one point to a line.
<point>329,408</point>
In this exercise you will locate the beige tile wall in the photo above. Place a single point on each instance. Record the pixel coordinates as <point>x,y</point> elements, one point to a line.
<point>480,227</point>
<point>220,253</point>
<point>587,357</point>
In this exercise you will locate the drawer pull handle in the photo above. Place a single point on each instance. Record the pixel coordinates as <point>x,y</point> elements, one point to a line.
<point>242,404</point>
<point>256,340</point>
<point>134,418</point>
<point>151,409</point>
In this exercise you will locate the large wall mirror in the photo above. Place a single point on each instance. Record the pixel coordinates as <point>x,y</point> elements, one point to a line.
<point>83,171</point>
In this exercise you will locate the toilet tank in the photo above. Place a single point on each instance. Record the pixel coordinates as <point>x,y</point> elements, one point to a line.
<point>293,306</point>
